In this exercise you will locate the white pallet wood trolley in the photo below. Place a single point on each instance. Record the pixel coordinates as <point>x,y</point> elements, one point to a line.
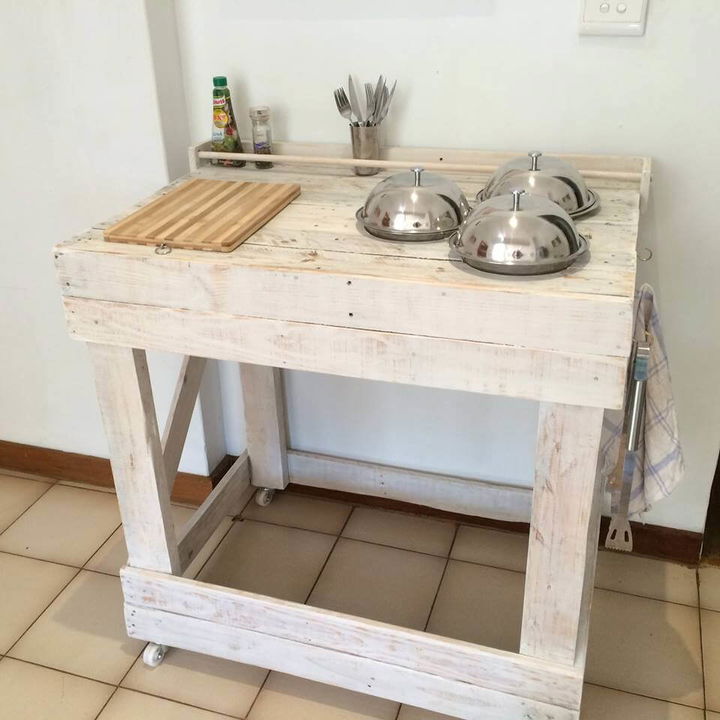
<point>309,291</point>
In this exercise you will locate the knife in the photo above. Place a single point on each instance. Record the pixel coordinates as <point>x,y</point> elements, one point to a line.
<point>354,102</point>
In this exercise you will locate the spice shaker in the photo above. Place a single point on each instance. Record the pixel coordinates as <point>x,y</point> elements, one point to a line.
<point>261,133</point>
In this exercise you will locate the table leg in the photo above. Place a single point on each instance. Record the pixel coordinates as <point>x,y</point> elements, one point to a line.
<point>128,412</point>
<point>563,533</point>
<point>265,421</point>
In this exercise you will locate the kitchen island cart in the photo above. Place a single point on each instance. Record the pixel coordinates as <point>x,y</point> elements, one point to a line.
<point>309,291</point>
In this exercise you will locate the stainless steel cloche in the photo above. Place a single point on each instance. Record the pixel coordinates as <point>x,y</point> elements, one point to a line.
<point>548,177</point>
<point>414,205</point>
<point>514,235</point>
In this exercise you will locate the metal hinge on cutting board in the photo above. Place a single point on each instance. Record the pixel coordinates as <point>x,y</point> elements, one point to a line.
<point>619,535</point>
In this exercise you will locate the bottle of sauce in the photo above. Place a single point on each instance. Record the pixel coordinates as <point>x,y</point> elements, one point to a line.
<point>225,136</point>
<point>261,133</point>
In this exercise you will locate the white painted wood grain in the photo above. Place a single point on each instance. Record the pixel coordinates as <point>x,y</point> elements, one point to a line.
<point>265,422</point>
<point>418,296</point>
<point>343,669</point>
<point>477,367</point>
<point>128,411</point>
<point>414,650</point>
<point>444,492</point>
<point>226,498</point>
<point>564,517</point>
<point>604,163</point>
<point>180,414</point>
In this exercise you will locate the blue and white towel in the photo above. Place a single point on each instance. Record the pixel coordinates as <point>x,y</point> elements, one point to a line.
<point>659,464</point>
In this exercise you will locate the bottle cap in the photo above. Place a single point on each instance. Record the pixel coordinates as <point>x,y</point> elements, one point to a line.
<point>259,111</point>
<point>220,81</point>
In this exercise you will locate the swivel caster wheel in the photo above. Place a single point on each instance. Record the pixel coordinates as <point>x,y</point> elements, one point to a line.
<point>154,654</point>
<point>264,496</point>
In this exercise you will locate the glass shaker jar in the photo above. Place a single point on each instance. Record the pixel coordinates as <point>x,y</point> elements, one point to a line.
<point>261,133</point>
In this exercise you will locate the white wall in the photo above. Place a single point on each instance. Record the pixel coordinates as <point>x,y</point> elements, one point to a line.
<point>80,140</point>
<point>495,75</point>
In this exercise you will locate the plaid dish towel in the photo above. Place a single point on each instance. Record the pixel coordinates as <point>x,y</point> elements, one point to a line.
<point>659,464</point>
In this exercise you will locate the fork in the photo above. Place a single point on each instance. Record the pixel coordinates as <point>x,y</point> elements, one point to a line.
<point>370,101</point>
<point>343,105</point>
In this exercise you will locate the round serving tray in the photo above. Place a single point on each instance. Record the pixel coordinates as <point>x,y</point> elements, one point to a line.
<point>540,267</point>
<point>403,235</point>
<point>591,206</point>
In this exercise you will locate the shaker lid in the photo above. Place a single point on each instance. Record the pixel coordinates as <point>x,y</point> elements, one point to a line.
<point>259,112</point>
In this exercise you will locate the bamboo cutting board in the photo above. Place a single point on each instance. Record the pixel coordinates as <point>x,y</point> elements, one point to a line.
<point>205,215</point>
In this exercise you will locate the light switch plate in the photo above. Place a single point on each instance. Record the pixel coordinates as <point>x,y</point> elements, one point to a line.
<point>613,17</point>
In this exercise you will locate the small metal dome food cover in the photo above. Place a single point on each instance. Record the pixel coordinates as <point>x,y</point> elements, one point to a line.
<point>414,205</point>
<point>507,235</point>
<point>548,177</point>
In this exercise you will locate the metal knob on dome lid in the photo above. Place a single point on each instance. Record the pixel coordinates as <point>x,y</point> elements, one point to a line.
<point>414,205</point>
<point>519,234</point>
<point>544,176</point>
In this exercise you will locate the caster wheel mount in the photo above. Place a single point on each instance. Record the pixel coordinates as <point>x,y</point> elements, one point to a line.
<point>264,496</point>
<point>154,654</point>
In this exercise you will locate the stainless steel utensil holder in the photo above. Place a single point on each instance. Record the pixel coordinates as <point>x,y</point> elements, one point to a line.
<point>365,146</point>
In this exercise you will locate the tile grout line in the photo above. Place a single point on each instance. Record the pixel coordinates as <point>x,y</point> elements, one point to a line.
<point>42,612</point>
<point>641,695</point>
<point>29,476</point>
<point>702,643</point>
<point>437,592</point>
<point>442,577</point>
<point>348,537</point>
<point>39,559</point>
<point>307,597</point>
<point>57,670</point>
<point>37,499</point>
<point>469,562</point>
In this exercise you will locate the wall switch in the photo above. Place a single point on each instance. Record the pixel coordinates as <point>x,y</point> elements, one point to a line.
<point>613,17</point>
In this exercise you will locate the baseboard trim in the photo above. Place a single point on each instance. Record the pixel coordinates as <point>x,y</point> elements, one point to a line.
<point>60,465</point>
<point>655,541</point>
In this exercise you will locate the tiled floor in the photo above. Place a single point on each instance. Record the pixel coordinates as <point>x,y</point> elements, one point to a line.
<point>655,636</point>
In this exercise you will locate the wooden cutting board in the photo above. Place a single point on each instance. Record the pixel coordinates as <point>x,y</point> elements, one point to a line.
<point>204,215</point>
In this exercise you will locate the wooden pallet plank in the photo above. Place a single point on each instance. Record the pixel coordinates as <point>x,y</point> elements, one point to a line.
<point>456,660</point>
<point>592,380</point>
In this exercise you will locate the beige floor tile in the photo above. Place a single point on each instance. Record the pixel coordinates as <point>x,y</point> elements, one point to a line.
<point>17,494</point>
<point>65,525</point>
<point>301,511</point>
<point>269,559</point>
<point>479,604</point>
<point>83,631</point>
<point>382,583</point>
<point>615,571</point>
<point>646,647</point>
<point>710,588</point>
<point>605,704</point>
<point>285,697</point>
<point>712,715</point>
<point>647,577</point>
<point>491,547</point>
<point>207,682</point>
<point>598,704</point>
<point>711,654</point>
<point>129,705</point>
<point>29,692</point>
<point>401,530</point>
<point>112,555</point>
<point>27,587</point>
